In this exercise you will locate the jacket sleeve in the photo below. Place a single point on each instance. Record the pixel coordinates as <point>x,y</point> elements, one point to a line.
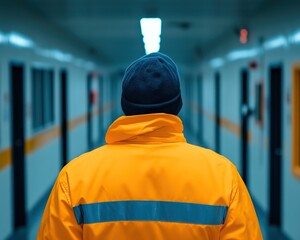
<point>241,221</point>
<point>59,220</point>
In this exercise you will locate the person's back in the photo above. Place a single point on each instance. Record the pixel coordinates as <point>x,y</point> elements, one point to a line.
<point>147,182</point>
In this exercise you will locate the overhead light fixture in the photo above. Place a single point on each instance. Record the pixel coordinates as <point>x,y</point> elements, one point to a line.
<point>19,40</point>
<point>61,56</point>
<point>217,62</point>
<point>277,42</point>
<point>55,54</point>
<point>242,54</point>
<point>151,31</point>
<point>295,38</point>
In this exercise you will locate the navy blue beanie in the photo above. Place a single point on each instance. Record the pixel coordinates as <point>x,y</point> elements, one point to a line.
<point>151,85</point>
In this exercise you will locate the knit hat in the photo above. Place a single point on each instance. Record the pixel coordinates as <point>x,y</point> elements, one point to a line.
<point>151,85</point>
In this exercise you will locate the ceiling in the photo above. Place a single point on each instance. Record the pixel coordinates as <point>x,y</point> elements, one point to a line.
<point>111,30</point>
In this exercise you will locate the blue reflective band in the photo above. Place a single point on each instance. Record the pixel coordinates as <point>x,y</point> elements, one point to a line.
<point>163,211</point>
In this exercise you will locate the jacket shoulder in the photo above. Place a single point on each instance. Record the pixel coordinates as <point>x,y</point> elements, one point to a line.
<point>85,160</point>
<point>209,154</point>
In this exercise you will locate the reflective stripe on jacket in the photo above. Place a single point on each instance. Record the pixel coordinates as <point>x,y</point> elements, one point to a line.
<point>148,183</point>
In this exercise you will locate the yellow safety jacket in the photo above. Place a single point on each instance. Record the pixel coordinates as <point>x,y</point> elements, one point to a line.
<point>148,183</point>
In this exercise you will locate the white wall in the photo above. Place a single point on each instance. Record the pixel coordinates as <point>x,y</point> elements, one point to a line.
<point>41,165</point>
<point>41,169</point>
<point>6,201</point>
<point>107,99</point>
<point>209,108</point>
<point>281,19</point>
<point>77,107</point>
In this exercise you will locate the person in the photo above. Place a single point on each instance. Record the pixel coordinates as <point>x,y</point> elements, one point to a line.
<point>147,182</point>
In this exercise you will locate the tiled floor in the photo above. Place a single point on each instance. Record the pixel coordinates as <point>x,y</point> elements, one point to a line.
<point>29,233</point>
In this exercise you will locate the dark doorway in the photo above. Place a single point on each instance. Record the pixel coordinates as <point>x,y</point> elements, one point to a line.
<point>275,83</point>
<point>64,116</point>
<point>245,114</point>
<point>18,157</point>
<point>217,112</point>
<point>89,111</point>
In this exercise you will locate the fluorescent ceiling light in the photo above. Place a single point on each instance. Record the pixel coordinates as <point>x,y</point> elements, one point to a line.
<point>276,42</point>
<point>19,40</point>
<point>152,47</point>
<point>61,56</point>
<point>151,39</point>
<point>151,26</point>
<point>56,54</point>
<point>217,62</point>
<point>295,38</point>
<point>65,57</point>
<point>241,54</point>
<point>151,30</point>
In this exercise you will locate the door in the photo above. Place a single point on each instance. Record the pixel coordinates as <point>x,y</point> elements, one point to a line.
<point>18,157</point>
<point>64,116</point>
<point>275,84</point>
<point>245,113</point>
<point>217,112</point>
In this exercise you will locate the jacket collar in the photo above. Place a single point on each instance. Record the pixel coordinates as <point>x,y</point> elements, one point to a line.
<point>158,127</point>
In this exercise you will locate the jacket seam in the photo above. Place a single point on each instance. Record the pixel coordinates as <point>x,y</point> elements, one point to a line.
<point>235,188</point>
<point>65,191</point>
